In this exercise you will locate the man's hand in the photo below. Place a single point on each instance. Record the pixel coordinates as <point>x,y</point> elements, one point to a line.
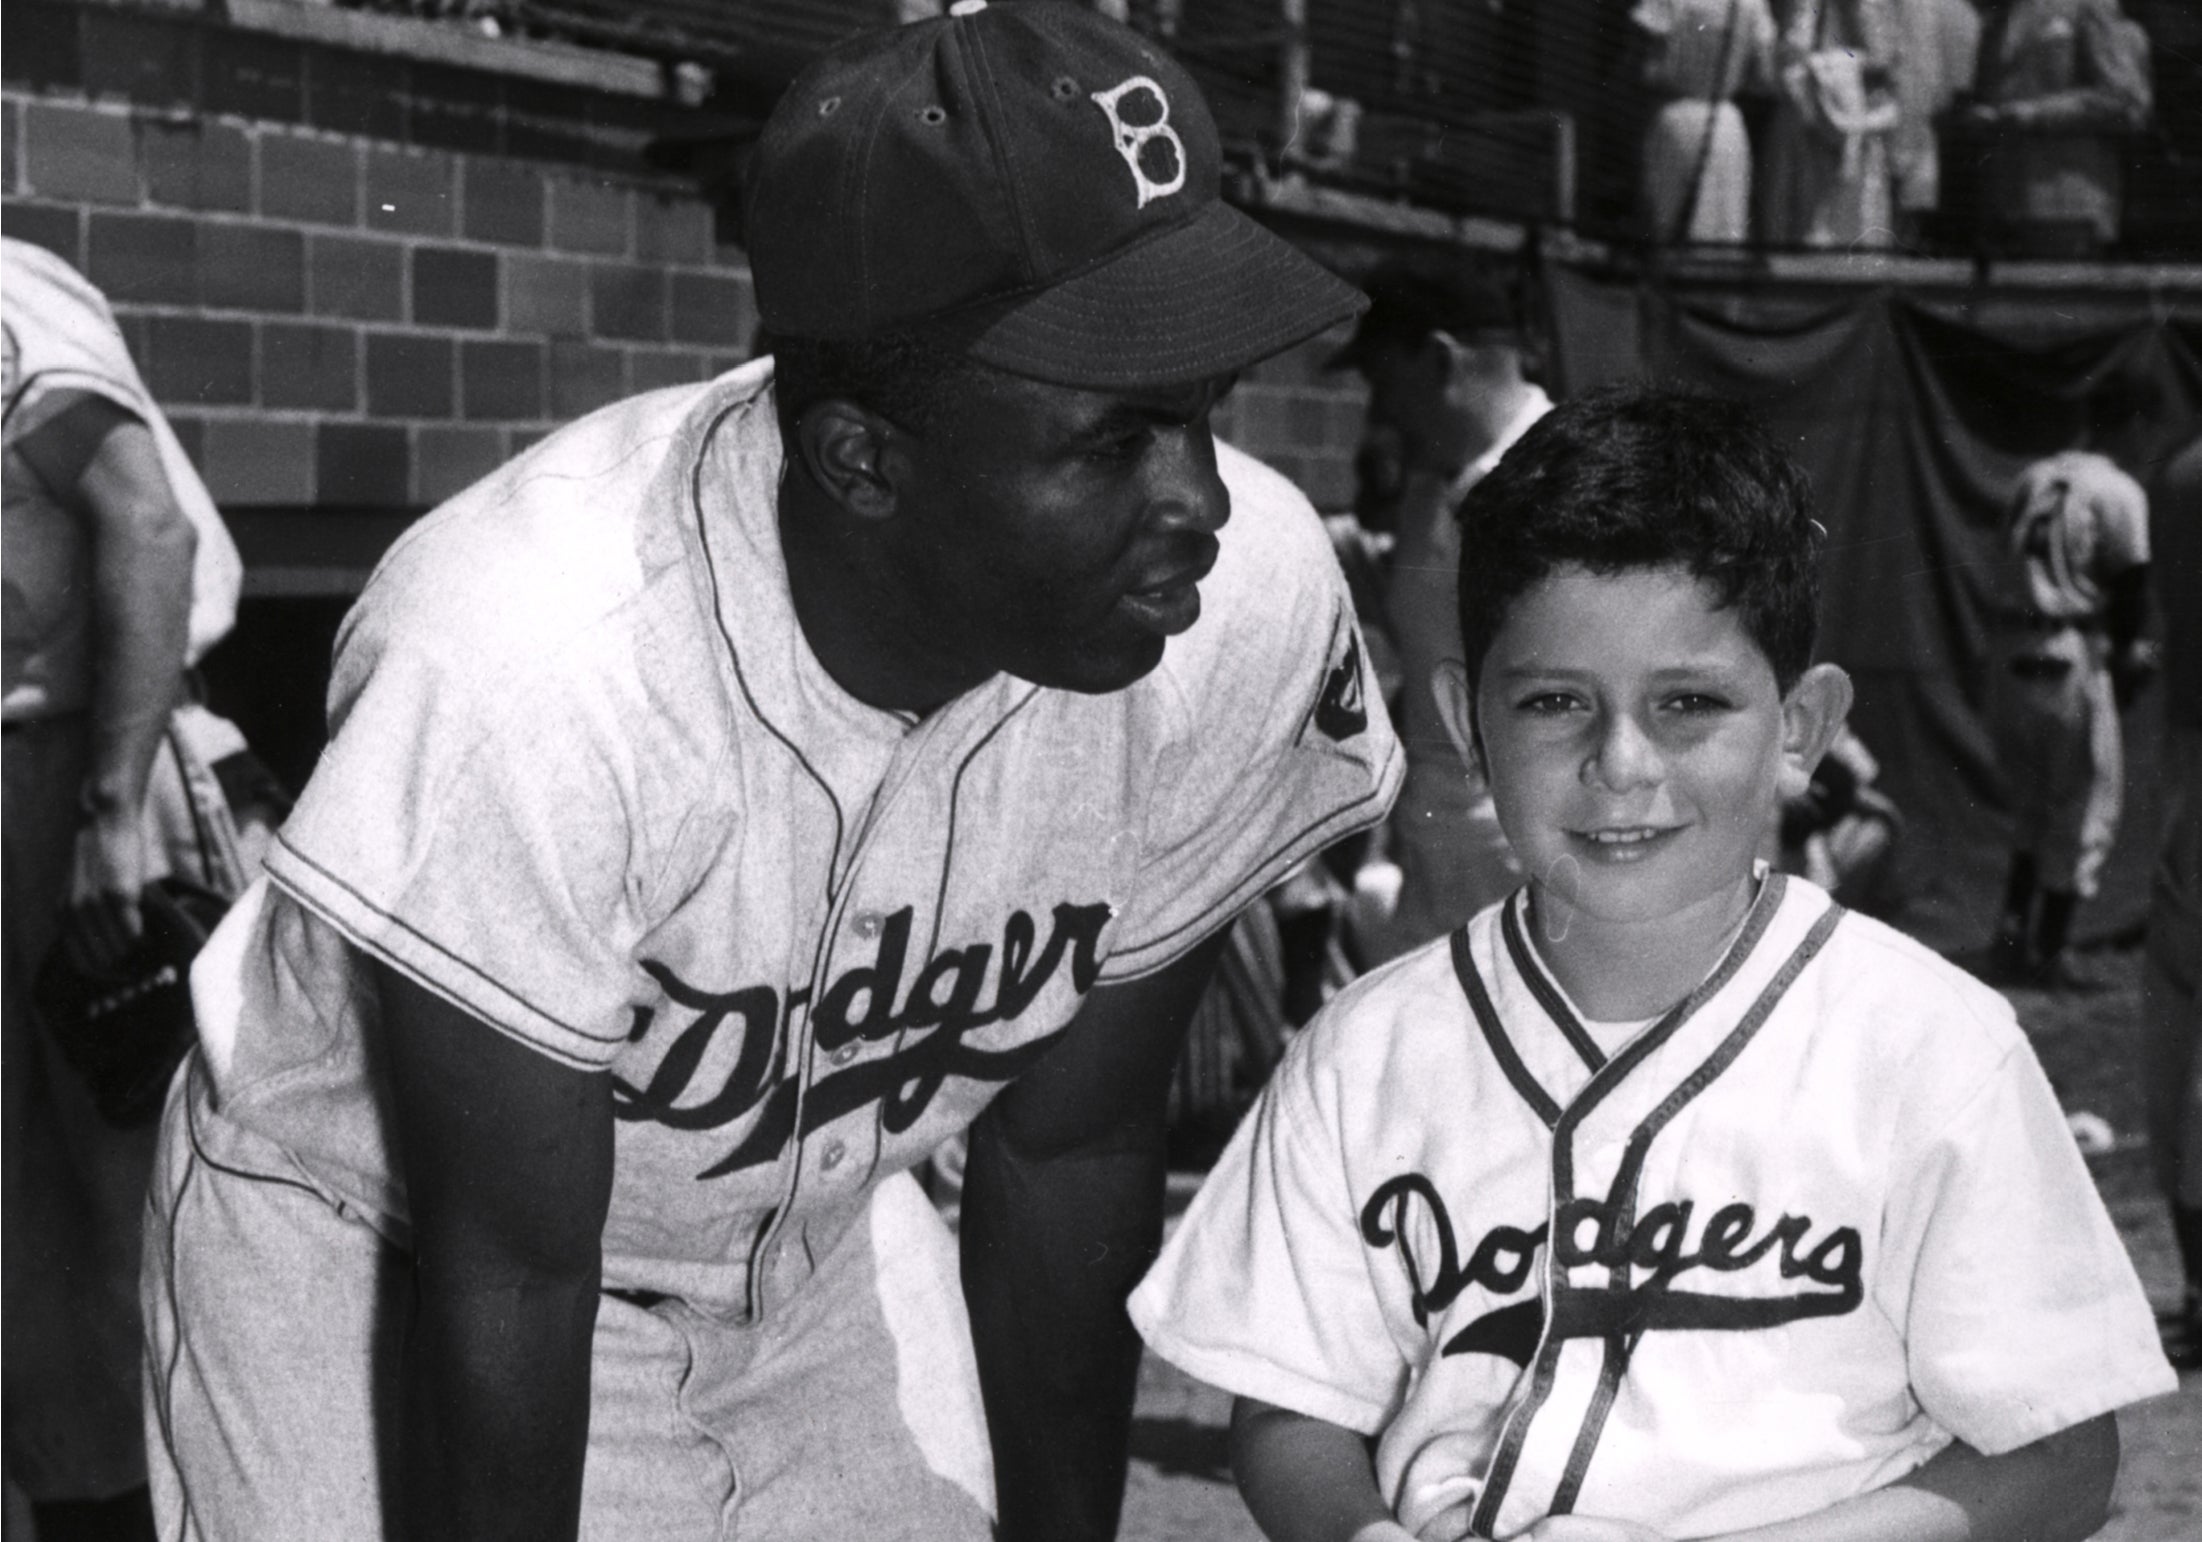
<point>105,878</point>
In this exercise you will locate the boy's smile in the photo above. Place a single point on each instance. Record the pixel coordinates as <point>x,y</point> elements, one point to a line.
<point>1636,741</point>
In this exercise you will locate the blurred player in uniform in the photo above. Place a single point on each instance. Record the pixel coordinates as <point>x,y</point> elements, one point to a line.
<point>2068,652</point>
<point>1667,1198</point>
<point>743,791</point>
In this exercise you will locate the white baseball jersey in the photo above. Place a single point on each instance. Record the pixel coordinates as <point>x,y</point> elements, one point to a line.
<point>1770,1251</point>
<point>588,781</point>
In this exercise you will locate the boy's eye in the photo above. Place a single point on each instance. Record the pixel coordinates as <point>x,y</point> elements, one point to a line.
<point>1546,703</point>
<point>1695,702</point>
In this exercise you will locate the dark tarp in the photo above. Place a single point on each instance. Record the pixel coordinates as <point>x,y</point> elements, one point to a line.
<point>1913,411</point>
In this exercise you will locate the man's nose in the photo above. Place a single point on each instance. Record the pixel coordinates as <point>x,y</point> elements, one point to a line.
<point>1185,491</point>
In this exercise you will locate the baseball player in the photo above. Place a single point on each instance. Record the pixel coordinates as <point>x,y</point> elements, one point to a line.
<point>118,576</point>
<point>1665,1198</point>
<point>744,789</point>
<point>2068,652</point>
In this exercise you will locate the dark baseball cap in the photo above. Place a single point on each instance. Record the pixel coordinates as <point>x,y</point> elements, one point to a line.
<point>1035,183</point>
<point>1408,301</point>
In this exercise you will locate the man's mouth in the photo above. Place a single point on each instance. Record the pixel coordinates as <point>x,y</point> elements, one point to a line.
<point>1165,609</point>
<point>1171,605</point>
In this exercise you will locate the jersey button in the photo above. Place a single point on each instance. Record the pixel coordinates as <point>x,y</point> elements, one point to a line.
<point>831,1157</point>
<point>844,1054</point>
<point>867,924</point>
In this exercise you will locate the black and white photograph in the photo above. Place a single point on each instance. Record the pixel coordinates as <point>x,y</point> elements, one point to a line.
<point>1060,770</point>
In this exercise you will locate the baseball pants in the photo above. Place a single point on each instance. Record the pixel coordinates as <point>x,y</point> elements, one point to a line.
<point>852,1411</point>
<point>2056,732</point>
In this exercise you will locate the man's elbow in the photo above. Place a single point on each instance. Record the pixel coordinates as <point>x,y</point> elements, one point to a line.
<point>153,530</point>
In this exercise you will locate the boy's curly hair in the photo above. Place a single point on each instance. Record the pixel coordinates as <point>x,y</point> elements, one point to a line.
<point>1635,477</point>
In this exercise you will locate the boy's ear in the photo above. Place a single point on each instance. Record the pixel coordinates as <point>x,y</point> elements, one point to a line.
<point>1456,708</point>
<point>853,455</point>
<point>1811,715</point>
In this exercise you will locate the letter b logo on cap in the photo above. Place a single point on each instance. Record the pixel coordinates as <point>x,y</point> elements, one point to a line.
<point>1149,145</point>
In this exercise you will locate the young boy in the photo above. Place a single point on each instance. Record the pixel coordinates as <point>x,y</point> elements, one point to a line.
<point>1665,1198</point>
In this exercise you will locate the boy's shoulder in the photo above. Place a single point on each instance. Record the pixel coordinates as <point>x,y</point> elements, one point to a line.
<point>1401,1028</point>
<point>1887,977</point>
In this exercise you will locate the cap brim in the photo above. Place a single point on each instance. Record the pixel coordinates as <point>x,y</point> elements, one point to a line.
<point>1204,298</point>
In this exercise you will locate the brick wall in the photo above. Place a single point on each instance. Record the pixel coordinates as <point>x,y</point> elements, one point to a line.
<point>358,282</point>
<point>341,318</point>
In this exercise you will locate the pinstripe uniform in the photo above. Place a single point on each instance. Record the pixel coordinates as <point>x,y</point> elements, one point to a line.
<point>635,825</point>
<point>1769,1251</point>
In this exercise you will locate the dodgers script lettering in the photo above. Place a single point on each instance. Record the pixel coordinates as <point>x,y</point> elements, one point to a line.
<point>865,1003</point>
<point>1596,1231</point>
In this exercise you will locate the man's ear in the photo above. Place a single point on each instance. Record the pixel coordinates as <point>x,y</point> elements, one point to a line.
<point>1456,709</point>
<point>854,456</point>
<point>1811,715</point>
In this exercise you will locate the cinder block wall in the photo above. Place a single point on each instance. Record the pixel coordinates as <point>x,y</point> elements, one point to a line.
<point>359,281</point>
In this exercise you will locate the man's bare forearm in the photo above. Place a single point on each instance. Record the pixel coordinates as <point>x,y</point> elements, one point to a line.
<point>1059,1359</point>
<point>141,614</point>
<point>496,1405</point>
<point>507,1157</point>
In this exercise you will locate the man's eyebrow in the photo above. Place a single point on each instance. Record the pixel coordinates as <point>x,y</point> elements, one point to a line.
<point>1120,418</point>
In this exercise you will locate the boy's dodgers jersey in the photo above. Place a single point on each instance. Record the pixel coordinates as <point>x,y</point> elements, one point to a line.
<point>1769,1252</point>
<point>588,781</point>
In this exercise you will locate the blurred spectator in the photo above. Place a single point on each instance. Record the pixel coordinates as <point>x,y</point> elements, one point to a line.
<point>1827,177</point>
<point>1696,170</point>
<point>1442,349</point>
<point>118,575</point>
<point>2068,653</point>
<point>1938,47</point>
<point>2063,85</point>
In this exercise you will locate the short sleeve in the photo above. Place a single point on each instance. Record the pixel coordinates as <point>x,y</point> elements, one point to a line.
<point>1279,744</point>
<point>2023,1314</point>
<point>63,339</point>
<point>481,833</point>
<point>1264,1290</point>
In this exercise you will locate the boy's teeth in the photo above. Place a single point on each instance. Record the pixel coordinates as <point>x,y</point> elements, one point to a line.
<point>1621,837</point>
